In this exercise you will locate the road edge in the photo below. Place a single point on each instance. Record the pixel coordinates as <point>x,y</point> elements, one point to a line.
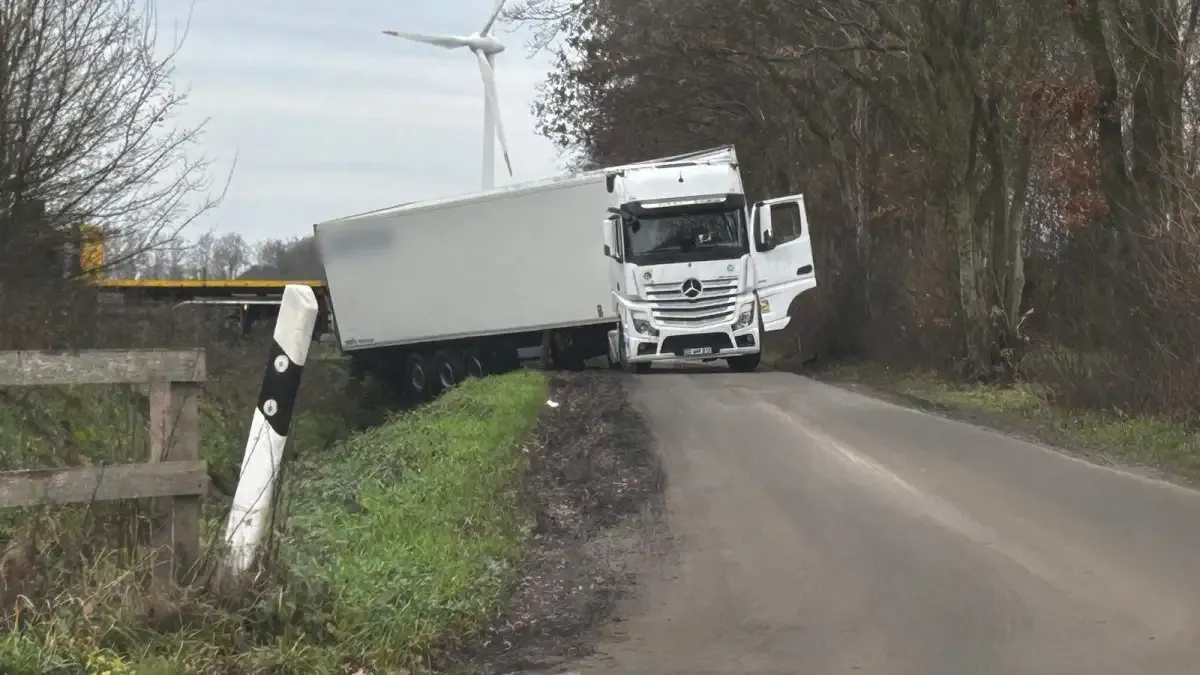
<point>596,488</point>
<point>1000,423</point>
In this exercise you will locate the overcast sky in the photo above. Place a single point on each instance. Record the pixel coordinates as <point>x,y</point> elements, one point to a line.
<point>328,117</point>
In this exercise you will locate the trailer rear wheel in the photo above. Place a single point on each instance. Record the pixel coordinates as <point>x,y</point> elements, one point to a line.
<point>472,361</point>
<point>564,353</point>
<point>416,376</point>
<point>447,369</point>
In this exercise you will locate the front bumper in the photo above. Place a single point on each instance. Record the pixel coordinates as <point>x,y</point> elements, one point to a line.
<point>690,343</point>
<point>653,352</point>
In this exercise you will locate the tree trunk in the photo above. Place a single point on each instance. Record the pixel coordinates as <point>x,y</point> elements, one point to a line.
<point>971,271</point>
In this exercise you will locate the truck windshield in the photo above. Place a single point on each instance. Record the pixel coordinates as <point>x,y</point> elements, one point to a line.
<point>686,237</point>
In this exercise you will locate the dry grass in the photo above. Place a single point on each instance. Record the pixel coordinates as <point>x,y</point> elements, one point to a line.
<point>74,581</point>
<point>1169,444</point>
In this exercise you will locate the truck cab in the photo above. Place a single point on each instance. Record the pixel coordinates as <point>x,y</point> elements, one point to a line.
<point>697,273</point>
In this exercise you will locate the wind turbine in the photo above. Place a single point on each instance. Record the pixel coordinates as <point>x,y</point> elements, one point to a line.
<point>485,47</point>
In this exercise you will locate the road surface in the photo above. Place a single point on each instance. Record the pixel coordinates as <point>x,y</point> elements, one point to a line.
<point>818,531</point>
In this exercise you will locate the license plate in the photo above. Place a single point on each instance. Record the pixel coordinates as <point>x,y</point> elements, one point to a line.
<point>697,351</point>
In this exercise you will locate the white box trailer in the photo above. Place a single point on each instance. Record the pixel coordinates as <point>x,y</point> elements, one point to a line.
<point>427,282</point>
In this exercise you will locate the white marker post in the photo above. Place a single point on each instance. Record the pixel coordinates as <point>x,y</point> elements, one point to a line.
<point>269,428</point>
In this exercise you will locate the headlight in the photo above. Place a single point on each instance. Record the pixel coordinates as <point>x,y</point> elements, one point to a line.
<point>745,316</point>
<point>641,324</point>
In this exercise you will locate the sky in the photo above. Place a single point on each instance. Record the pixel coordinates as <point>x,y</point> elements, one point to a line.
<point>328,117</point>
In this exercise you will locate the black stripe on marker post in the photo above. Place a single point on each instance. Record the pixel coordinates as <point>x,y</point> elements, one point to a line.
<point>280,385</point>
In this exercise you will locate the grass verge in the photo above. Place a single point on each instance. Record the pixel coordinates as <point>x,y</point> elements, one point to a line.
<point>398,542</point>
<point>1167,445</point>
<point>595,485</point>
<point>416,526</point>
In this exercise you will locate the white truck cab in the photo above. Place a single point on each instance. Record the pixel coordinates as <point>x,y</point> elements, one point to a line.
<point>697,274</point>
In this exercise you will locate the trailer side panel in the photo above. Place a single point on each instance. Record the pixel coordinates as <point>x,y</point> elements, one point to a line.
<point>500,262</point>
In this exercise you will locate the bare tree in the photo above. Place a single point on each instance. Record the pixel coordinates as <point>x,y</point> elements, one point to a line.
<point>88,131</point>
<point>199,256</point>
<point>293,259</point>
<point>1143,56</point>
<point>549,19</point>
<point>230,256</point>
<point>979,171</point>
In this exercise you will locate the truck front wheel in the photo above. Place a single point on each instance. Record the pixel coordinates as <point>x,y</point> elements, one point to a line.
<point>623,356</point>
<point>746,363</point>
<point>614,350</point>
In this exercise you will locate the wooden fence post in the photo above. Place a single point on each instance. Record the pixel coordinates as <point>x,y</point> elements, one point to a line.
<point>175,437</point>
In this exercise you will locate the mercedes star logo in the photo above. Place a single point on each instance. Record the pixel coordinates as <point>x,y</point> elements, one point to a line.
<point>691,288</point>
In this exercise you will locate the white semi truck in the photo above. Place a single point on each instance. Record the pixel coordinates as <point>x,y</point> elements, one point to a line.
<point>649,262</point>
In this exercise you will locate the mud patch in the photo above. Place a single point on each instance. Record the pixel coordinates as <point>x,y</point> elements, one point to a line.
<point>596,485</point>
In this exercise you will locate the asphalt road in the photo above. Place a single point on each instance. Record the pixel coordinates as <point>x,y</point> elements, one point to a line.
<point>817,531</point>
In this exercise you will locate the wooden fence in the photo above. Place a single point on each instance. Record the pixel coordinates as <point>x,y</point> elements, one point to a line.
<point>173,475</point>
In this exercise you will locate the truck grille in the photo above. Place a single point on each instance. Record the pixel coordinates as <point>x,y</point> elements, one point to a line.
<point>715,303</point>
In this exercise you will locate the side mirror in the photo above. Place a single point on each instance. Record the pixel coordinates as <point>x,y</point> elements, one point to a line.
<point>608,250</point>
<point>762,226</point>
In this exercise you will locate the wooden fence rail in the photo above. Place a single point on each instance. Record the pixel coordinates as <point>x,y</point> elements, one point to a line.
<point>173,471</point>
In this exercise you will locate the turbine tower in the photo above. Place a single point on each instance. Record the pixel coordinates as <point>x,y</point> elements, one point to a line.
<point>485,48</point>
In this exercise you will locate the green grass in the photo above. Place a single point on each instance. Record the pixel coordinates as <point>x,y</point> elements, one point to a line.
<point>399,541</point>
<point>1137,439</point>
<point>423,518</point>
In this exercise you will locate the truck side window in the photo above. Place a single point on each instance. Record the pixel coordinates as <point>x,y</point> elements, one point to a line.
<point>786,223</point>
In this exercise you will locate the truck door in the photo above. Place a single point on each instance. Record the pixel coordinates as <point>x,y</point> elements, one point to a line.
<point>782,256</point>
<point>614,241</point>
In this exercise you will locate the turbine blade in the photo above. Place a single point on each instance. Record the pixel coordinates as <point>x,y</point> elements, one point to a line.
<point>493,102</point>
<point>487,27</point>
<point>447,41</point>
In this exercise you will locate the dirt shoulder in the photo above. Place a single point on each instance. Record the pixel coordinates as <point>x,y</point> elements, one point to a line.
<point>596,486</point>
<point>1164,448</point>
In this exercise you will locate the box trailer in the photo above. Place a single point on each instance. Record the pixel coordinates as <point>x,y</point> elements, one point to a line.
<point>427,289</point>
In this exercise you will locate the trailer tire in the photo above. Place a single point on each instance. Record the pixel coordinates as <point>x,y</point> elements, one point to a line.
<point>447,370</point>
<point>564,353</point>
<point>416,376</point>
<point>473,366</point>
